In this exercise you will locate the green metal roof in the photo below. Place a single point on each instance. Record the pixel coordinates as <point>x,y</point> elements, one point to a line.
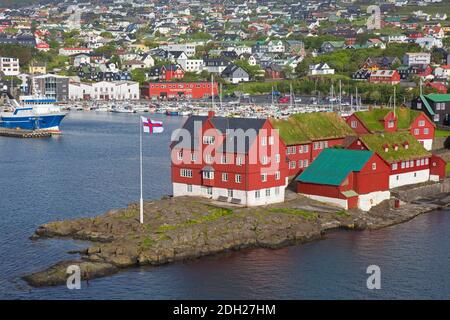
<point>438,97</point>
<point>332,166</point>
<point>427,105</point>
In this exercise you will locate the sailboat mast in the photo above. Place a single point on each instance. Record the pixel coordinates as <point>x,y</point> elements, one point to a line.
<point>212,91</point>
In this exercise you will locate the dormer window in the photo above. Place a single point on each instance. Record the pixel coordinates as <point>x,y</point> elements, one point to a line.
<point>406,144</point>
<point>386,148</point>
<point>396,147</point>
<point>391,123</point>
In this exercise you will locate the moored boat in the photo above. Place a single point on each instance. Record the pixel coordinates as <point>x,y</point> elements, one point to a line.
<point>33,113</point>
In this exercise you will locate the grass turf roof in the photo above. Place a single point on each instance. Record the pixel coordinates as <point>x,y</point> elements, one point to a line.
<point>305,127</point>
<point>372,120</point>
<point>376,142</point>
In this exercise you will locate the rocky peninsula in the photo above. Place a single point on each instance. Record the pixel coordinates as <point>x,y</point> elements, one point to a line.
<point>183,228</point>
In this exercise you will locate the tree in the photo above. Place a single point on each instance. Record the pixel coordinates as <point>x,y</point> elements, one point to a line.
<point>138,75</point>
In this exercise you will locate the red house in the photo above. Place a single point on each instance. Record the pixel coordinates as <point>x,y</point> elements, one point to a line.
<point>307,134</point>
<point>237,160</point>
<point>346,178</point>
<point>385,120</point>
<point>391,77</point>
<point>171,72</point>
<point>408,160</point>
<point>179,90</point>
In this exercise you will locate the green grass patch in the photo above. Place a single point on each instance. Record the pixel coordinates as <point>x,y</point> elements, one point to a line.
<point>213,214</point>
<point>129,213</point>
<point>165,228</point>
<point>447,167</point>
<point>343,214</point>
<point>305,214</point>
<point>303,127</point>
<point>376,142</point>
<point>147,242</point>
<point>442,133</point>
<point>373,119</point>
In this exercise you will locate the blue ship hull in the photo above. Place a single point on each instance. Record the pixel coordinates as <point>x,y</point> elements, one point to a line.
<point>42,122</point>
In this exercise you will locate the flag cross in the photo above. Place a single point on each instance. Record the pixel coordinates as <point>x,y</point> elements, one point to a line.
<point>151,125</point>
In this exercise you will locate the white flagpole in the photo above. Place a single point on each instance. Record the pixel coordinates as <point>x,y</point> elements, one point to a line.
<point>141,216</point>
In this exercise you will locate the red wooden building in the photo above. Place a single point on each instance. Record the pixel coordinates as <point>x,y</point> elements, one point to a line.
<point>385,120</point>
<point>391,77</point>
<point>179,90</point>
<point>307,134</point>
<point>408,160</point>
<point>171,72</point>
<point>237,160</point>
<point>346,178</point>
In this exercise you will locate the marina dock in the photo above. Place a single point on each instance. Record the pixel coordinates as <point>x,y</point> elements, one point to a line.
<point>19,133</point>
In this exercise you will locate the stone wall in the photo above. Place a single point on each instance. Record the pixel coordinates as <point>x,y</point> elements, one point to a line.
<point>424,190</point>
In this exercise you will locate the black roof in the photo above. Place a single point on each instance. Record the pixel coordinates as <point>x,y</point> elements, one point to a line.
<point>227,126</point>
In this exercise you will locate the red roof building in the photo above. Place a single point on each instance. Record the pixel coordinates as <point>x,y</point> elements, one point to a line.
<point>391,77</point>
<point>171,72</point>
<point>346,178</point>
<point>385,120</point>
<point>306,135</point>
<point>407,159</point>
<point>180,90</point>
<point>234,160</point>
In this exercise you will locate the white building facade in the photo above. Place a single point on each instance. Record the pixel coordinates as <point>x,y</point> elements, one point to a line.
<point>9,66</point>
<point>104,90</point>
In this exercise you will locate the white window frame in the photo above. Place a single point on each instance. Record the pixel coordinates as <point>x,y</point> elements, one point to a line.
<point>208,175</point>
<point>237,178</point>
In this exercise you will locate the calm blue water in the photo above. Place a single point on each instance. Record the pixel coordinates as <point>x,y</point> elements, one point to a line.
<point>94,167</point>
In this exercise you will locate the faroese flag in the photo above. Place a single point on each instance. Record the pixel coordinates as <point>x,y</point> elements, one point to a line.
<point>151,126</point>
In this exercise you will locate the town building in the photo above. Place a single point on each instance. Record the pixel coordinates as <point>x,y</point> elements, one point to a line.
<point>104,90</point>
<point>37,68</point>
<point>346,178</point>
<point>187,48</point>
<point>389,120</point>
<point>408,160</point>
<point>171,72</point>
<point>51,86</point>
<point>235,74</point>
<point>74,51</point>
<point>9,66</point>
<point>436,106</point>
<point>391,77</point>
<point>235,160</point>
<point>414,58</point>
<point>179,90</point>
<point>306,135</point>
<point>320,69</point>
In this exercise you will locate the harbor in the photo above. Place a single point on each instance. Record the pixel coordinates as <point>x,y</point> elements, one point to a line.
<point>77,158</point>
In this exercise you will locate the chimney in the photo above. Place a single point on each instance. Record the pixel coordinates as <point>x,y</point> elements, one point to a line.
<point>211,114</point>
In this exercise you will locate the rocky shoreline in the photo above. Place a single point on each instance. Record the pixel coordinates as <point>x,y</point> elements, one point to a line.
<point>184,228</point>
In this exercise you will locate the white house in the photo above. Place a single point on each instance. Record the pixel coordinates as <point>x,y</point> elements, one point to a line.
<point>416,58</point>
<point>104,90</point>
<point>191,65</point>
<point>442,72</point>
<point>320,69</point>
<point>188,48</point>
<point>276,46</point>
<point>81,59</point>
<point>429,42</point>
<point>9,66</point>
<point>73,51</point>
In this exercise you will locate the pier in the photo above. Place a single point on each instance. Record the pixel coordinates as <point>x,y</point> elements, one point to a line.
<point>19,133</point>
